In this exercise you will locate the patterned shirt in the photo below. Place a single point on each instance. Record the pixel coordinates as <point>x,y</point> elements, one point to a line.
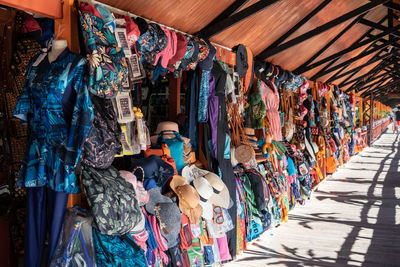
<point>56,105</point>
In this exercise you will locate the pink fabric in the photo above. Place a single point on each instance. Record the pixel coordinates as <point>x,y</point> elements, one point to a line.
<point>141,239</point>
<point>271,99</point>
<point>223,248</point>
<point>170,50</point>
<point>161,241</point>
<point>142,195</point>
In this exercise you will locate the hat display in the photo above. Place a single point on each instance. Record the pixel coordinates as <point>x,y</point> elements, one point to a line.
<point>220,196</point>
<point>205,191</point>
<point>169,217</point>
<point>189,199</point>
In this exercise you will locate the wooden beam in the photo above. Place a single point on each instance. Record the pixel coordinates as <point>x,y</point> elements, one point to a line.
<point>299,70</point>
<point>361,67</point>
<point>349,61</point>
<point>67,27</point>
<point>235,6</point>
<point>298,25</point>
<point>46,8</point>
<point>372,77</point>
<point>237,17</point>
<point>349,49</point>
<point>295,41</point>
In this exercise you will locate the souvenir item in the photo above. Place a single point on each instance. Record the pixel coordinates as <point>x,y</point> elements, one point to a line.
<point>57,131</point>
<point>111,199</point>
<point>117,250</point>
<point>108,69</point>
<point>124,108</point>
<point>75,245</point>
<point>189,199</point>
<point>104,140</point>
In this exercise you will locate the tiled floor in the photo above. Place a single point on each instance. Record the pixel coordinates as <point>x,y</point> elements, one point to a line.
<point>353,219</point>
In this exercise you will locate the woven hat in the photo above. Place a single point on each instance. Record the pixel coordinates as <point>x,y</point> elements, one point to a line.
<point>169,127</point>
<point>220,196</point>
<point>189,199</point>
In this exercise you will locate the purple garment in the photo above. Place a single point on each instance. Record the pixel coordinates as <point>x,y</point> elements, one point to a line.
<point>213,114</point>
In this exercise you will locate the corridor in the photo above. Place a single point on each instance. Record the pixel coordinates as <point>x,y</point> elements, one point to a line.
<point>353,219</point>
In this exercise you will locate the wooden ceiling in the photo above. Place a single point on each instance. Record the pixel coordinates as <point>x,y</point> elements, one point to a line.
<point>350,43</point>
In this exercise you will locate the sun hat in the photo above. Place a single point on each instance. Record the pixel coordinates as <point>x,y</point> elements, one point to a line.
<point>188,197</point>
<point>169,217</point>
<point>205,191</point>
<point>153,41</point>
<point>220,196</point>
<point>169,127</point>
<point>192,51</point>
<point>108,17</point>
<point>221,193</point>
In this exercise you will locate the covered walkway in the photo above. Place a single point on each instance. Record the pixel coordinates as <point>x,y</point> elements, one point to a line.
<point>353,219</point>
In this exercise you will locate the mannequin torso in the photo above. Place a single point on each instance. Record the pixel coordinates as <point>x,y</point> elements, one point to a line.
<point>57,48</point>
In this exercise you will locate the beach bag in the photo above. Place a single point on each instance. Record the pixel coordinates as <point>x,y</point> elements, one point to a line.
<point>75,244</point>
<point>112,251</point>
<point>108,68</point>
<point>104,139</point>
<point>112,200</point>
<point>175,146</point>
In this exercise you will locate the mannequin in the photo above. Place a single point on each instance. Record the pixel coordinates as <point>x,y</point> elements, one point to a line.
<point>57,48</point>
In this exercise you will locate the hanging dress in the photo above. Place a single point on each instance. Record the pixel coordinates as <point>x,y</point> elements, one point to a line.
<point>271,98</point>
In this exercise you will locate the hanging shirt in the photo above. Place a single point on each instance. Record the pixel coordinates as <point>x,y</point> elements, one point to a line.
<point>56,105</point>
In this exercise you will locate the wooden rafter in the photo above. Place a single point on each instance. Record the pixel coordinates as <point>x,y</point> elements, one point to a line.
<point>318,30</point>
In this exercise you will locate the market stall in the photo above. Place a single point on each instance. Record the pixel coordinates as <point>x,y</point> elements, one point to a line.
<point>129,142</point>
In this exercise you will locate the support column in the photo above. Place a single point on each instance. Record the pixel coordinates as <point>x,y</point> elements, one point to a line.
<point>371,119</point>
<point>174,97</point>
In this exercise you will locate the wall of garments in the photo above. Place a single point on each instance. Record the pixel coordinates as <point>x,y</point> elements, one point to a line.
<point>251,142</point>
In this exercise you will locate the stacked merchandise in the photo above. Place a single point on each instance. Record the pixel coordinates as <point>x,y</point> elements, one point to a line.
<point>262,142</point>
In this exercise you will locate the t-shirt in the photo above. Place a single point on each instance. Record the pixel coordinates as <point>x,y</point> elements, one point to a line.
<point>56,105</point>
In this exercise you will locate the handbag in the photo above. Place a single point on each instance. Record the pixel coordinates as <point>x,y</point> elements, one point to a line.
<point>175,146</point>
<point>112,200</point>
<point>104,139</point>
<point>75,244</point>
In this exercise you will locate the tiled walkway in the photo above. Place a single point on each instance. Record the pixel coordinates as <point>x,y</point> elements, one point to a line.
<point>353,219</point>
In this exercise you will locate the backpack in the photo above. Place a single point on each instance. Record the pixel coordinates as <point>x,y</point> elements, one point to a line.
<point>75,244</point>
<point>104,139</point>
<point>121,251</point>
<point>112,200</point>
<point>259,187</point>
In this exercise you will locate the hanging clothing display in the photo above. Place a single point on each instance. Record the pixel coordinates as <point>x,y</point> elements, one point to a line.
<point>186,186</point>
